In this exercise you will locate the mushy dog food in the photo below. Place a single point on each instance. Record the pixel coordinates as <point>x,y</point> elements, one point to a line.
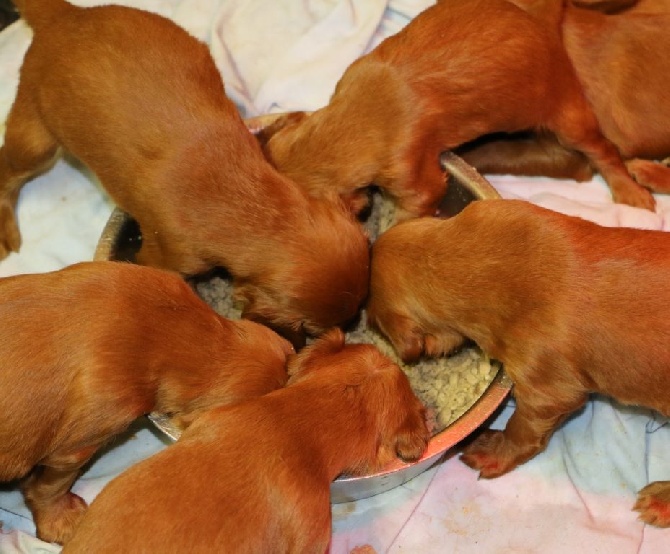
<point>447,386</point>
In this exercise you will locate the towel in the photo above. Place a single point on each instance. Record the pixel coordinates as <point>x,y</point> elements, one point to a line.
<point>287,55</point>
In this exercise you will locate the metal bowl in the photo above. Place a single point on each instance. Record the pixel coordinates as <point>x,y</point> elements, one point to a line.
<point>121,239</point>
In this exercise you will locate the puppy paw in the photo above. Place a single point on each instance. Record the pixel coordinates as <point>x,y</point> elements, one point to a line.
<point>653,504</point>
<point>634,195</point>
<point>488,454</point>
<point>57,522</point>
<point>650,174</point>
<point>10,237</point>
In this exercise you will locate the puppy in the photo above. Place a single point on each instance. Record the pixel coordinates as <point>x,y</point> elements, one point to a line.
<point>621,61</point>
<point>141,103</point>
<point>256,477</point>
<point>567,306</point>
<point>460,70</point>
<point>88,349</point>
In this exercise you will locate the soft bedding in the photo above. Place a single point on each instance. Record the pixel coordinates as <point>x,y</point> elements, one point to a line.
<point>287,55</point>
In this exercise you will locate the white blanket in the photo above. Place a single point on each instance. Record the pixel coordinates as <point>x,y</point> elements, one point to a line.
<point>283,55</point>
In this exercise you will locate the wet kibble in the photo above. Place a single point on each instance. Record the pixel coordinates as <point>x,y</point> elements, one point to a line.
<point>448,386</point>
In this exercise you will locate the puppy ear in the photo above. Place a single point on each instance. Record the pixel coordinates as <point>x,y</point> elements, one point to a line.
<point>402,422</point>
<point>405,335</point>
<point>297,337</point>
<point>413,435</point>
<point>286,120</point>
<point>331,342</point>
<point>257,309</point>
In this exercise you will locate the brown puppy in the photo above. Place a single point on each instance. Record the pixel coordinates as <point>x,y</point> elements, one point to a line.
<point>88,349</point>
<point>141,103</point>
<point>461,69</point>
<point>256,477</point>
<point>622,62</point>
<point>567,306</point>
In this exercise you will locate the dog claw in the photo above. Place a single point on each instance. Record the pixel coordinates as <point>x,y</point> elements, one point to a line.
<point>653,504</point>
<point>637,197</point>
<point>484,455</point>
<point>652,175</point>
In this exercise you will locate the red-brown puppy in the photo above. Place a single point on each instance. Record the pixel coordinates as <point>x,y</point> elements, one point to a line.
<point>256,477</point>
<point>622,62</point>
<point>141,103</point>
<point>461,69</point>
<point>567,306</point>
<point>88,349</point>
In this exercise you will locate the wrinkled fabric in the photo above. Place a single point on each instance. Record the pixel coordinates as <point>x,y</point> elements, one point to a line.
<point>288,55</point>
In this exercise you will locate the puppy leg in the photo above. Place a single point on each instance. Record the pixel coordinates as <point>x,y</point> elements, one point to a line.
<point>28,149</point>
<point>528,154</point>
<point>650,174</point>
<point>420,192</point>
<point>527,433</point>
<point>56,511</point>
<point>653,503</point>
<point>577,127</point>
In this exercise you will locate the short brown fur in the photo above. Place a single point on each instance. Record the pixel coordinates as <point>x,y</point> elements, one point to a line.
<point>141,103</point>
<point>88,349</point>
<point>460,70</point>
<point>567,306</point>
<point>256,477</point>
<point>619,51</point>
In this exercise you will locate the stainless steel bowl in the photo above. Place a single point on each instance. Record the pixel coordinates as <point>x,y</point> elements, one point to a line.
<point>121,239</point>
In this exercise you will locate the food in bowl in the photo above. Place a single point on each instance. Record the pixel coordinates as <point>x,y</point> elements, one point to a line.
<point>121,239</point>
<point>447,386</point>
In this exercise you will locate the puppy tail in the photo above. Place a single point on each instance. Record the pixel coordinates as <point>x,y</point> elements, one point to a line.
<point>38,13</point>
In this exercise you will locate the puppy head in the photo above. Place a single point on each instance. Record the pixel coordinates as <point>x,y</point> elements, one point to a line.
<point>375,393</point>
<point>324,159</point>
<point>396,416</point>
<point>320,280</point>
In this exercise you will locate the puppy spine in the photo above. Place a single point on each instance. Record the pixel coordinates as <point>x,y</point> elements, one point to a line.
<point>40,12</point>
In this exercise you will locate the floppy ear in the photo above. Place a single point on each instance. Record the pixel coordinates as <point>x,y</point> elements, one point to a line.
<point>297,337</point>
<point>401,416</point>
<point>286,120</point>
<point>331,342</point>
<point>413,435</point>
<point>258,308</point>
<point>405,335</point>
